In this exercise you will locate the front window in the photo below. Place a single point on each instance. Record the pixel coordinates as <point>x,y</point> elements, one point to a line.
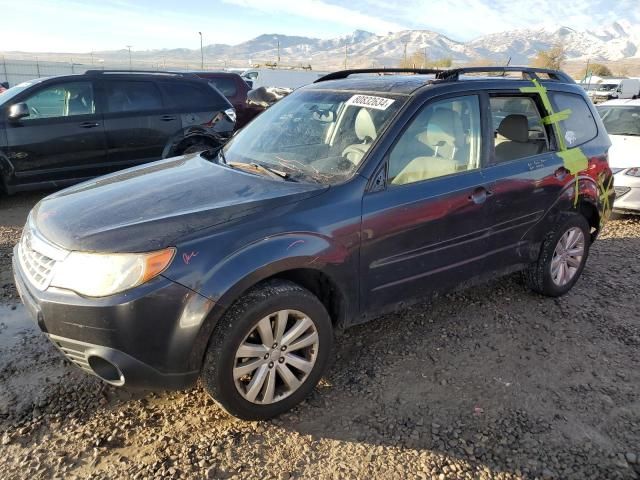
<point>321,135</point>
<point>621,120</point>
<point>62,100</point>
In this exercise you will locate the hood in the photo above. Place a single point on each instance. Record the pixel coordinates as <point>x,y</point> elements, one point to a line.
<point>624,151</point>
<point>152,206</point>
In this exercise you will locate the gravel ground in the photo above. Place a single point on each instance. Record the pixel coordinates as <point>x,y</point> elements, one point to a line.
<point>492,382</point>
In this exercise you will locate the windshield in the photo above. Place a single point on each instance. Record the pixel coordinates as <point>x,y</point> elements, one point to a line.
<point>607,87</point>
<point>621,120</point>
<point>7,95</point>
<point>320,136</point>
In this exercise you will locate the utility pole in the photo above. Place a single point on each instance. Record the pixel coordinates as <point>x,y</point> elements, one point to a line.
<point>91,53</point>
<point>346,54</point>
<point>278,40</point>
<point>405,52</point>
<point>129,47</point>
<point>201,53</point>
<point>424,65</point>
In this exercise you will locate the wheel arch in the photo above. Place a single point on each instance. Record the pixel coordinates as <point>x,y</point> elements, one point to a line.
<point>317,267</point>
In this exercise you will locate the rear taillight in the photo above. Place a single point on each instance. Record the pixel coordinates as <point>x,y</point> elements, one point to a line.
<point>231,114</point>
<point>633,172</point>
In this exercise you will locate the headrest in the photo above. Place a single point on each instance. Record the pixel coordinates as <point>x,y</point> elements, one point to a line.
<point>441,128</point>
<point>365,126</point>
<point>515,128</point>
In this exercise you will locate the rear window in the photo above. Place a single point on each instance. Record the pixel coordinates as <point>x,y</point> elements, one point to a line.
<point>226,86</point>
<point>132,96</point>
<point>580,127</point>
<point>191,95</point>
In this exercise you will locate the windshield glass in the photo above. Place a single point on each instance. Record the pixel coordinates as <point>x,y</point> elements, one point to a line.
<point>320,136</point>
<point>621,120</point>
<point>607,87</point>
<point>13,91</point>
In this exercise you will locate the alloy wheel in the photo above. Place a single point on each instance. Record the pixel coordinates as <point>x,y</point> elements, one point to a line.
<point>567,256</point>
<point>276,357</point>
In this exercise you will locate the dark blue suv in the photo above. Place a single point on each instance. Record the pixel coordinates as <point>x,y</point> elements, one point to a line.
<point>357,194</point>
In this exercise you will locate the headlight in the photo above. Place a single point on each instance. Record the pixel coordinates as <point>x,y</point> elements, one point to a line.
<point>633,172</point>
<point>99,275</point>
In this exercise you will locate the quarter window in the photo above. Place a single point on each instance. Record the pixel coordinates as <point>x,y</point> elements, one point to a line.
<point>442,139</point>
<point>126,96</point>
<point>226,86</point>
<point>580,127</point>
<point>62,100</point>
<point>518,128</point>
<point>190,96</point>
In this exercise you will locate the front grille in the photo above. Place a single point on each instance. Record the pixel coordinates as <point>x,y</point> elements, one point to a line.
<point>75,352</point>
<point>620,191</point>
<point>38,258</point>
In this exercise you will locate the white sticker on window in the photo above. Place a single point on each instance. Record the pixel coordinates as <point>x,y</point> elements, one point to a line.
<point>570,137</point>
<point>369,101</point>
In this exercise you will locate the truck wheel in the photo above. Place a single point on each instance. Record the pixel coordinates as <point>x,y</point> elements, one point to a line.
<point>268,352</point>
<point>196,147</point>
<point>562,257</point>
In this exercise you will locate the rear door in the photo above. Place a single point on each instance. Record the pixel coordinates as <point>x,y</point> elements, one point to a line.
<point>136,121</point>
<point>427,229</point>
<point>62,138</point>
<point>525,175</point>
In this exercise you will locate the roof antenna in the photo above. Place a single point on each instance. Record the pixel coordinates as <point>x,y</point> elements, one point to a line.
<point>504,72</point>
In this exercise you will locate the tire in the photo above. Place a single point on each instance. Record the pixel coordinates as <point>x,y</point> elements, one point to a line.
<point>195,147</point>
<point>540,275</point>
<point>222,366</point>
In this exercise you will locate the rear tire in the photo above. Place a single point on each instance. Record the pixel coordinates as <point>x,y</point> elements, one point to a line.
<point>563,255</point>
<point>268,325</point>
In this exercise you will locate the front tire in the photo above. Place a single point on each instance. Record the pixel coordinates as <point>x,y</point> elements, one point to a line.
<point>268,352</point>
<point>562,257</point>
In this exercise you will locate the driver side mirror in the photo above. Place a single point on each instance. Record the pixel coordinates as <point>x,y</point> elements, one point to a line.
<point>18,111</point>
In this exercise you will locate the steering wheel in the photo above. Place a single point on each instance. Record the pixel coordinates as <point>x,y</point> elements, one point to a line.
<point>34,110</point>
<point>354,153</point>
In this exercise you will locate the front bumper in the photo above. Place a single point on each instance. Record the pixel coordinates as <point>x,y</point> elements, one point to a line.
<point>627,193</point>
<point>142,338</point>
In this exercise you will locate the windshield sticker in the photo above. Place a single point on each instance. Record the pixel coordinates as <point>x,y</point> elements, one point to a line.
<point>369,101</point>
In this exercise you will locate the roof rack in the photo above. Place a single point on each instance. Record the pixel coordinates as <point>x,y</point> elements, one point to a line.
<point>345,73</point>
<point>527,72</point>
<point>453,74</point>
<point>146,72</point>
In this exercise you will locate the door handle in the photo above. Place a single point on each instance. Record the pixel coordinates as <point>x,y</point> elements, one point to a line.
<point>167,118</point>
<point>480,195</point>
<point>89,125</point>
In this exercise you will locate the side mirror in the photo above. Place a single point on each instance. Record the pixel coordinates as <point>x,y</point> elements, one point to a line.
<point>18,111</point>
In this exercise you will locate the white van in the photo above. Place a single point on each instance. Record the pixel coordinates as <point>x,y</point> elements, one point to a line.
<point>615,88</point>
<point>280,77</point>
<point>621,118</point>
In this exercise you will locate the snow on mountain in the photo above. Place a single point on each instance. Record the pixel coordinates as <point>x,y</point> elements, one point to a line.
<point>619,40</point>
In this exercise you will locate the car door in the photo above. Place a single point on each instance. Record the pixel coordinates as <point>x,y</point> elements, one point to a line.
<point>426,229</point>
<point>525,176</point>
<point>63,136</point>
<point>137,123</point>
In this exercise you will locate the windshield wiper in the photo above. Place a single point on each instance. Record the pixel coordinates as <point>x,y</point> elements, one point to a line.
<point>279,173</point>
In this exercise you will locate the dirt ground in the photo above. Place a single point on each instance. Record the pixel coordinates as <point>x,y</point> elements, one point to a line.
<point>493,382</point>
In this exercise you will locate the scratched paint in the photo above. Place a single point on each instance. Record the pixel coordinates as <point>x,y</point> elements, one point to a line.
<point>186,257</point>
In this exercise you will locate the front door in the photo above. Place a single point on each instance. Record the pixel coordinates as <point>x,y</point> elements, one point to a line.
<point>427,229</point>
<point>63,136</point>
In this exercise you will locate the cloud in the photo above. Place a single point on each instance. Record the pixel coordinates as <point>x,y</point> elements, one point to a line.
<point>319,10</point>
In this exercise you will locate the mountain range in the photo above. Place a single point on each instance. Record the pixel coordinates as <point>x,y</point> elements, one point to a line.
<point>615,42</point>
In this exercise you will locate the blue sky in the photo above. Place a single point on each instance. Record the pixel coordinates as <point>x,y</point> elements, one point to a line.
<point>82,26</point>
